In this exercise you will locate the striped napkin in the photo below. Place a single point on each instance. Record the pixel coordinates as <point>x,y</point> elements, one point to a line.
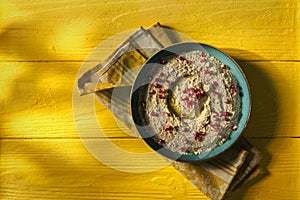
<point>216,178</point>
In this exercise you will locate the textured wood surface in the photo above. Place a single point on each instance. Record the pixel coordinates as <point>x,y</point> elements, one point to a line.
<point>42,46</point>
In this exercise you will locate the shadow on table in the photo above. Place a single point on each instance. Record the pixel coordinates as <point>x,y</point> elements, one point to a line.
<point>264,115</point>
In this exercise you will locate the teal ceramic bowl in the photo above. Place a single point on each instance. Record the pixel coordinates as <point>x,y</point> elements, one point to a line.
<point>178,49</point>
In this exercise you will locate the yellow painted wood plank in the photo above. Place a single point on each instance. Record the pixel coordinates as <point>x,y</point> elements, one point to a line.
<point>36,100</point>
<point>63,169</point>
<point>60,30</point>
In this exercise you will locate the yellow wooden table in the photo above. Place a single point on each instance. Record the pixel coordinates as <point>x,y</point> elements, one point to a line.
<point>42,46</point>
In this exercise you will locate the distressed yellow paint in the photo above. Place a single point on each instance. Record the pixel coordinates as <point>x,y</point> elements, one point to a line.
<point>42,45</point>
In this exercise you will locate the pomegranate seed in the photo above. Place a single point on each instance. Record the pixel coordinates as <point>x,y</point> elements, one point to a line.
<point>205,71</point>
<point>219,127</point>
<point>203,93</point>
<point>214,84</point>
<point>227,101</point>
<point>143,104</point>
<point>186,90</point>
<point>163,62</point>
<point>201,133</point>
<point>197,137</point>
<point>203,54</point>
<point>166,114</point>
<point>185,99</point>
<point>161,141</point>
<point>161,90</point>
<point>233,86</point>
<point>187,62</point>
<point>235,127</point>
<point>183,116</point>
<point>224,67</point>
<point>202,60</point>
<point>198,94</point>
<point>219,136</point>
<point>212,73</point>
<point>152,92</point>
<point>196,89</point>
<point>189,105</point>
<point>154,113</point>
<point>190,102</point>
<point>181,58</point>
<point>214,113</point>
<point>191,95</point>
<point>156,85</point>
<point>225,119</point>
<point>234,92</point>
<point>227,114</point>
<point>157,79</point>
<point>185,129</point>
<point>168,128</point>
<point>162,96</point>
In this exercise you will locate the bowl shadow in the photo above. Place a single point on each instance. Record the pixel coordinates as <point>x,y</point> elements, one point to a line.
<point>261,127</point>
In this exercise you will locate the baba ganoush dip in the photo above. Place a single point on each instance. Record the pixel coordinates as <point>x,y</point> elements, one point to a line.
<point>191,104</point>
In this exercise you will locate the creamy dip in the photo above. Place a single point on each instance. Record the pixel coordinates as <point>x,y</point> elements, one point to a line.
<point>192,103</point>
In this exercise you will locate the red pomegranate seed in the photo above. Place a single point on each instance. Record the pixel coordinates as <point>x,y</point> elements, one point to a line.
<point>214,84</point>
<point>181,58</point>
<point>156,85</point>
<point>187,62</point>
<point>143,104</point>
<point>168,128</point>
<point>161,141</point>
<point>224,67</point>
<point>184,99</point>
<point>198,94</point>
<point>166,114</point>
<point>225,119</point>
<point>233,86</point>
<point>161,90</point>
<point>152,92</point>
<point>227,113</point>
<point>163,62</point>
<point>202,60</point>
<point>234,92</point>
<point>185,129</point>
<point>235,127</point>
<point>186,90</point>
<point>203,54</point>
<point>201,133</point>
<point>162,96</point>
<point>205,71</point>
<point>227,101</point>
<point>203,93</point>
<point>154,113</point>
<point>197,137</point>
<point>191,95</point>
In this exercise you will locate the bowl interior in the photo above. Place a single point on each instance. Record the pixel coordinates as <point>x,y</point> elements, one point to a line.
<point>178,49</point>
